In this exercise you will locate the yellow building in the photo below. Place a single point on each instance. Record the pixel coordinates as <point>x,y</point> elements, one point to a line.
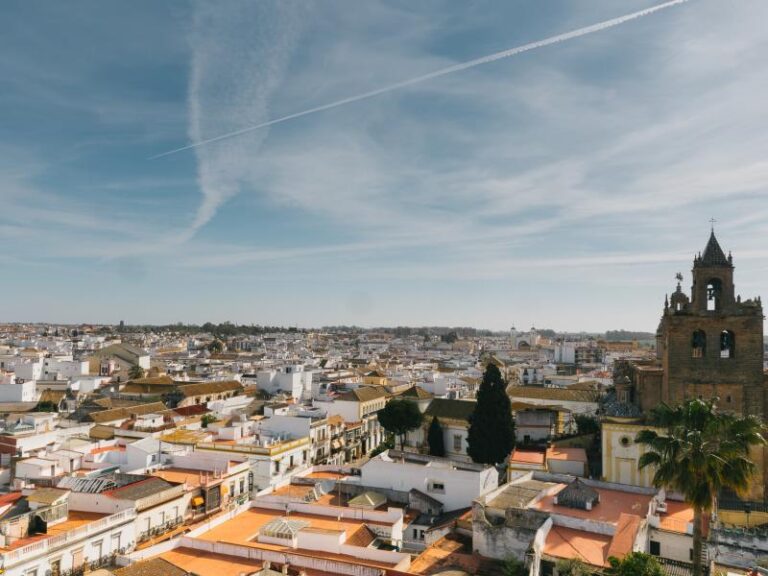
<point>375,378</point>
<point>621,454</point>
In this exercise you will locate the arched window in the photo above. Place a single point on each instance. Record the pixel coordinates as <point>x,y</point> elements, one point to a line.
<point>727,344</point>
<point>714,294</point>
<point>699,344</point>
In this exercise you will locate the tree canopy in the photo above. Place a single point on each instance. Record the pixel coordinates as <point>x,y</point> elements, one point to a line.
<point>491,434</point>
<point>634,564</point>
<point>699,452</point>
<point>399,417</point>
<point>136,372</point>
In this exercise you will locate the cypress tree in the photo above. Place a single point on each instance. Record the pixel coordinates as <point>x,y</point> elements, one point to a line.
<point>435,438</point>
<point>491,434</point>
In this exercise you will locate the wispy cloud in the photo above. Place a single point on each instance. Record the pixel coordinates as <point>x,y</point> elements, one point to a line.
<point>240,51</point>
<point>564,37</point>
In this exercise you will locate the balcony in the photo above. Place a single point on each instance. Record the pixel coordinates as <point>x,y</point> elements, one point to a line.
<point>42,547</point>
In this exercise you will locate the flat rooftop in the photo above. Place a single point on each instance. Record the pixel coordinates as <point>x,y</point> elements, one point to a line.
<point>74,520</point>
<point>244,529</point>
<point>612,504</point>
<point>677,517</point>
<point>519,494</point>
<point>206,564</point>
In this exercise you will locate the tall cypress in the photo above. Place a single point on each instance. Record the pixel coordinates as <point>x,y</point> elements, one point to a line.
<point>491,434</point>
<point>435,438</point>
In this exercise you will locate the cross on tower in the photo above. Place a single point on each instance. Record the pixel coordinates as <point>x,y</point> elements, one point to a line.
<point>712,222</point>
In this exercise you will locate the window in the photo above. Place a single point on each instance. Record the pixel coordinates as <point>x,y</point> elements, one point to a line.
<point>97,549</point>
<point>436,487</point>
<point>727,344</point>
<point>699,344</point>
<point>714,294</point>
<point>655,548</point>
<point>457,442</point>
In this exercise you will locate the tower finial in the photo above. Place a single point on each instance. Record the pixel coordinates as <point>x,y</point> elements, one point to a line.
<point>712,223</point>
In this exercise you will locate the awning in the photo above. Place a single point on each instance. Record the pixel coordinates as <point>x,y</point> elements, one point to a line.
<point>198,501</point>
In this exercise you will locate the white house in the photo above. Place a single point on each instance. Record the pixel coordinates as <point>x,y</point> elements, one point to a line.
<point>454,484</point>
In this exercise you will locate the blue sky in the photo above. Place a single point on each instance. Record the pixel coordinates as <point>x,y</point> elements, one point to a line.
<point>563,187</point>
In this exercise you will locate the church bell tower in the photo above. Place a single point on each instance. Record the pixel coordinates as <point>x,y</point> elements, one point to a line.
<point>711,344</point>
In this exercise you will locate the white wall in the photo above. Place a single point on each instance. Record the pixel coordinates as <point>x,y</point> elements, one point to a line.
<point>26,392</point>
<point>460,486</point>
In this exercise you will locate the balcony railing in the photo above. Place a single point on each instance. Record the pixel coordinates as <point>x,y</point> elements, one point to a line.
<point>50,544</point>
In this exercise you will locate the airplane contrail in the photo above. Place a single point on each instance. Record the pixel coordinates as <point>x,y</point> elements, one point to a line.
<point>604,25</point>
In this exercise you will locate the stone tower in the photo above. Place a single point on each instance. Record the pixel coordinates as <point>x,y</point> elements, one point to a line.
<point>711,344</point>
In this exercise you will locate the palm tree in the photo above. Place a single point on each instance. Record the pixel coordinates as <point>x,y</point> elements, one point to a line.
<point>699,452</point>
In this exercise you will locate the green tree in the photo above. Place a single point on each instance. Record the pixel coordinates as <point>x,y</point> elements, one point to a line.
<point>491,434</point>
<point>435,438</point>
<point>216,347</point>
<point>587,424</point>
<point>136,372</point>
<point>207,419</point>
<point>399,417</point>
<point>699,452</point>
<point>572,567</point>
<point>46,406</point>
<point>514,567</point>
<point>634,564</point>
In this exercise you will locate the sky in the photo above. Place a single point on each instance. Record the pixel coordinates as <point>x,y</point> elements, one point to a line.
<point>562,187</point>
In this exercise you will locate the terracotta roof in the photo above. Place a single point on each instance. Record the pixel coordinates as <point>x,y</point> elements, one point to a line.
<point>527,457</point>
<point>568,543</point>
<point>569,454</point>
<point>153,567</point>
<point>417,392</point>
<point>362,537</point>
<point>445,408</point>
<point>624,537</point>
<point>99,432</point>
<point>559,394</point>
<point>363,394</point>
<point>125,413</point>
<point>47,495</point>
<point>209,388</point>
<point>163,380</point>
<point>54,396</point>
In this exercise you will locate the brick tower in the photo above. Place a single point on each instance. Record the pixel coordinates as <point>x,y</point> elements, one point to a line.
<point>712,344</point>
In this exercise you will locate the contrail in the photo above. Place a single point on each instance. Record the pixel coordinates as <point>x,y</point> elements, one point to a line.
<point>604,25</point>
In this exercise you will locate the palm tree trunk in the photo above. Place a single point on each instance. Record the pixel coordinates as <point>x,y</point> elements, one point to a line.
<point>697,541</point>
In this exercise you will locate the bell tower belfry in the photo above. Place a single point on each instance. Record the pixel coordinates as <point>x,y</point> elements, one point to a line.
<point>712,344</point>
